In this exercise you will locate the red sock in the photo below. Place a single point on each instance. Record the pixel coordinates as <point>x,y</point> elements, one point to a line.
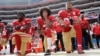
<point>79,48</point>
<point>1,47</point>
<point>13,46</point>
<point>18,42</point>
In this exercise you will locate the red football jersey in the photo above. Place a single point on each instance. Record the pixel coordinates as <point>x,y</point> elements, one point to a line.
<point>23,23</point>
<point>65,14</point>
<point>42,25</point>
<point>57,27</point>
<point>84,24</point>
<point>67,28</point>
<point>41,22</point>
<point>96,30</point>
<point>4,34</point>
<point>30,30</point>
<point>48,32</point>
<point>72,14</point>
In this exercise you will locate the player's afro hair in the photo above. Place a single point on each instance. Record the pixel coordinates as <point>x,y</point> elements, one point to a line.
<point>44,9</point>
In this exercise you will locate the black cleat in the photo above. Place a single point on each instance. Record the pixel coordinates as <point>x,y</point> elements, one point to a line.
<point>55,50</point>
<point>47,53</point>
<point>68,52</point>
<point>81,52</point>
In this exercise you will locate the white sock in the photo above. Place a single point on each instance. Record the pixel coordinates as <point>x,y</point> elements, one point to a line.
<point>49,43</point>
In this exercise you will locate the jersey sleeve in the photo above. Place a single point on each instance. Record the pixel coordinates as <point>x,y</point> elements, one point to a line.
<point>93,29</point>
<point>51,18</point>
<point>4,34</point>
<point>87,23</point>
<point>60,13</point>
<point>63,14</point>
<point>31,31</point>
<point>15,23</point>
<point>78,12</point>
<point>28,20</point>
<point>54,25</point>
<point>38,20</point>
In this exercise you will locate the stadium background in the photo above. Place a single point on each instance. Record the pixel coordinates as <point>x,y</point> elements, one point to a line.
<point>9,8</point>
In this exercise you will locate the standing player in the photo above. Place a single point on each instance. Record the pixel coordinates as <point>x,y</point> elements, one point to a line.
<point>96,31</point>
<point>57,27</point>
<point>85,27</point>
<point>45,27</point>
<point>22,33</point>
<point>6,34</point>
<point>73,14</point>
